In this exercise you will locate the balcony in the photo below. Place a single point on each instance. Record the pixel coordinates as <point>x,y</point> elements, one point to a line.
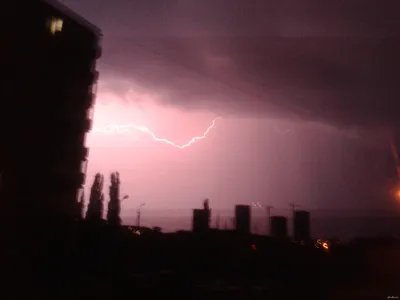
<point>85,153</point>
<point>89,100</point>
<point>95,76</point>
<point>91,77</point>
<point>75,126</point>
<point>74,154</point>
<point>88,125</point>
<point>84,165</point>
<point>99,52</point>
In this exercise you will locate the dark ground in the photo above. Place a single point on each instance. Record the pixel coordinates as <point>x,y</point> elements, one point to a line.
<point>115,264</point>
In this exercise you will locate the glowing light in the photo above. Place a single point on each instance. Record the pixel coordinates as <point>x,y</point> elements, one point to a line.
<point>325,245</point>
<point>127,128</point>
<point>56,25</point>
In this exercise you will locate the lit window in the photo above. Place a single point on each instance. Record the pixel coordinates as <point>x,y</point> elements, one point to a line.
<point>56,25</point>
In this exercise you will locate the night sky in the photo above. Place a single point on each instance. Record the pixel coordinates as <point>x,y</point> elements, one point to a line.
<point>307,94</point>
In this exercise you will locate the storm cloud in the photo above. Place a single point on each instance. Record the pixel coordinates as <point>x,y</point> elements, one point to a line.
<point>335,62</point>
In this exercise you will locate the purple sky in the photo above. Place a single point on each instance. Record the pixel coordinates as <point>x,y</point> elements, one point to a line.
<point>307,92</point>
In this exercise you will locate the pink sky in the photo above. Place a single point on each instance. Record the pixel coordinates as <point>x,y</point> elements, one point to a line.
<point>240,161</point>
<point>322,63</point>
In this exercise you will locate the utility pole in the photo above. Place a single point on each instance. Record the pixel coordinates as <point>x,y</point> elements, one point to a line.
<point>293,206</point>
<point>268,208</point>
<point>138,215</point>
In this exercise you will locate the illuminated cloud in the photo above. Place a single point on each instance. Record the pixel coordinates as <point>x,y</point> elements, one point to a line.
<point>324,61</point>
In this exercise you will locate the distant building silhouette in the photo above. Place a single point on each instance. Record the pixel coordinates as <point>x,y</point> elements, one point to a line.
<point>243,219</point>
<point>301,225</point>
<point>279,228</point>
<point>46,102</point>
<point>201,218</point>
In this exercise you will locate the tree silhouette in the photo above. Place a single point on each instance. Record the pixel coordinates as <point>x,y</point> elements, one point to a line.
<point>114,205</point>
<point>95,207</point>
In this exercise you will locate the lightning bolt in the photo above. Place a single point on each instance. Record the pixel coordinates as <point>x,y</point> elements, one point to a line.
<point>127,128</point>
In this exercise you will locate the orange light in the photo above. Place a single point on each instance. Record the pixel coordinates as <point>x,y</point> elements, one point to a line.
<point>325,245</point>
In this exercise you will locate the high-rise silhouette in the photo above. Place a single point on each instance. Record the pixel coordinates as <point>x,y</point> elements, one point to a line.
<point>48,57</point>
<point>279,228</point>
<point>201,218</point>
<point>301,225</point>
<point>242,219</point>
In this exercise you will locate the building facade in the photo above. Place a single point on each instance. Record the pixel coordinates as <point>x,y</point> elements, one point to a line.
<point>243,219</point>
<point>279,227</point>
<point>201,220</point>
<point>301,225</point>
<point>49,62</point>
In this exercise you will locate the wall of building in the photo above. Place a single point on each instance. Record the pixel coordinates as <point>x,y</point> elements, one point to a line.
<point>43,113</point>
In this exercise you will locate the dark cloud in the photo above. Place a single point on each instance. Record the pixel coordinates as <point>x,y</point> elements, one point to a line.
<point>325,61</point>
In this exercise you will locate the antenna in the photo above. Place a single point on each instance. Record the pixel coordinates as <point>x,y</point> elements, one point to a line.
<point>268,208</point>
<point>293,206</point>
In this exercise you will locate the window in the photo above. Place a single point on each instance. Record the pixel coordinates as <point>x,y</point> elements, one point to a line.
<point>56,25</point>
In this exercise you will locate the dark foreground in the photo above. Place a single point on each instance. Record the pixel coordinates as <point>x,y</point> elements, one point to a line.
<point>113,264</point>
